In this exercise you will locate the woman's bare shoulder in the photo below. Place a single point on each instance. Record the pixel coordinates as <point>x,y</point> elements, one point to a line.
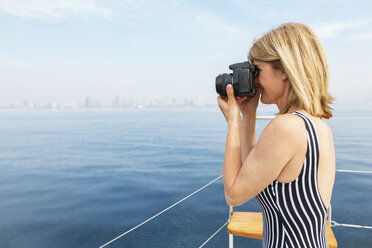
<point>286,131</point>
<point>288,124</point>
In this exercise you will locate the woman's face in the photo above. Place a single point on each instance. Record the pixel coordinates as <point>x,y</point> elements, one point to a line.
<point>272,84</point>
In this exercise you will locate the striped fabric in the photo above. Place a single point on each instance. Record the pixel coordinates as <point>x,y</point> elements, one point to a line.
<point>293,213</point>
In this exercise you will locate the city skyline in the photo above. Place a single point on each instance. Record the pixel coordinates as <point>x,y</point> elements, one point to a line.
<point>115,102</point>
<point>147,102</point>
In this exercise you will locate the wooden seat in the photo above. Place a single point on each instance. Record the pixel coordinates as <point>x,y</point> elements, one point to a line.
<point>250,224</point>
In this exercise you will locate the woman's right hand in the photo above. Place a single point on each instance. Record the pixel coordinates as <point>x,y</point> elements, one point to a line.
<point>229,106</point>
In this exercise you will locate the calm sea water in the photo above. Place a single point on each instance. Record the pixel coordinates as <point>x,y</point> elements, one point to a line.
<point>79,178</point>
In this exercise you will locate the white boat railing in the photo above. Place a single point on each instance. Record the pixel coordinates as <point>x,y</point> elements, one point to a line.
<point>231,237</point>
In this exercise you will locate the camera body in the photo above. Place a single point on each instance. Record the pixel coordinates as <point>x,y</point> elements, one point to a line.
<point>242,79</point>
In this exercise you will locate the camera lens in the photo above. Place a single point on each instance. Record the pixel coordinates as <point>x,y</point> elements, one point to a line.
<point>221,82</point>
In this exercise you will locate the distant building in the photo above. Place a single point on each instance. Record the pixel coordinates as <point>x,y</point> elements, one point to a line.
<point>88,102</point>
<point>189,102</point>
<point>116,102</point>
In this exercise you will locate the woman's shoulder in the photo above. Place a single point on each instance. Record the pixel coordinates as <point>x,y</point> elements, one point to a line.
<point>287,123</point>
<point>292,125</point>
<point>285,134</point>
<point>288,128</point>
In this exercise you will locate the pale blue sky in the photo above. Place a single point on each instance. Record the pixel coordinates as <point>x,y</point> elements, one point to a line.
<point>66,50</point>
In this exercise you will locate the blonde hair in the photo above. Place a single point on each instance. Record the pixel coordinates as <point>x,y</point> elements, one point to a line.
<point>296,50</point>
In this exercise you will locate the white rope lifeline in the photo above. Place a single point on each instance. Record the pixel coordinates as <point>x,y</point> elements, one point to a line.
<point>214,234</point>
<point>156,215</point>
<point>334,223</point>
<point>355,171</point>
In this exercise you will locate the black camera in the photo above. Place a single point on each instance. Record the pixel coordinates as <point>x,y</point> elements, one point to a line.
<point>242,79</point>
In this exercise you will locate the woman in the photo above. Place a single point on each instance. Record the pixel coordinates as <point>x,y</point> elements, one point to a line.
<point>291,168</point>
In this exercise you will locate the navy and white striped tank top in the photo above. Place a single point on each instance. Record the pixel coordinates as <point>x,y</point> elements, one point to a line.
<point>293,213</point>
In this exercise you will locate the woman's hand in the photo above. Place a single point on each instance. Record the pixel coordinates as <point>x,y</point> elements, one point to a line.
<point>229,106</point>
<point>248,105</point>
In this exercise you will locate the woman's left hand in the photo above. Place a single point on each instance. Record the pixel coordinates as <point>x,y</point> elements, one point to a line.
<point>229,107</point>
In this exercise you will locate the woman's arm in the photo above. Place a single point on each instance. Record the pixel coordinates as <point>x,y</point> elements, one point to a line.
<point>263,165</point>
<point>265,161</point>
<point>247,134</point>
<point>248,108</point>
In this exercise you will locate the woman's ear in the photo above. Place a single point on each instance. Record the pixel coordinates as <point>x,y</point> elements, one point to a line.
<point>284,76</point>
